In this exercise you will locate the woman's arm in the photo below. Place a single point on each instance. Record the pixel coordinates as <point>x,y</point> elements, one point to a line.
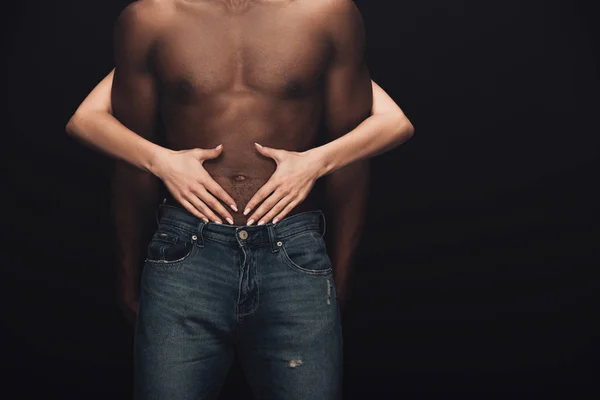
<point>386,128</point>
<point>181,171</point>
<point>94,124</point>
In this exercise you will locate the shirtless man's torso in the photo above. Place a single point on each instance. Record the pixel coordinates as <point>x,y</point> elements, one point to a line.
<point>236,72</point>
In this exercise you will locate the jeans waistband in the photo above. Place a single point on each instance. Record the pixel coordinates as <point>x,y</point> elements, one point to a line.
<point>253,235</point>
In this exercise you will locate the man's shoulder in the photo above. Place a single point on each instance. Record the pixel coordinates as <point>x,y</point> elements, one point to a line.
<point>331,7</point>
<point>149,6</point>
<point>145,15</point>
<point>332,14</point>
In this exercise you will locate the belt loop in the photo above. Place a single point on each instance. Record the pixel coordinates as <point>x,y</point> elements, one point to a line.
<point>157,211</point>
<point>157,214</point>
<point>199,238</point>
<point>272,238</point>
<point>324,224</point>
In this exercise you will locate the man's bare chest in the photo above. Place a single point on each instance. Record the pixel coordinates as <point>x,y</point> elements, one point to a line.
<point>278,57</point>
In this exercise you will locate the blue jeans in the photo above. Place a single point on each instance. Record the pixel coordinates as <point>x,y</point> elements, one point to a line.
<point>265,294</point>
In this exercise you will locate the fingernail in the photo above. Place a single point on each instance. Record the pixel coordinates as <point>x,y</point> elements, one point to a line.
<point>205,220</point>
<point>218,222</point>
<point>230,221</point>
<point>246,211</point>
<point>261,223</point>
<point>250,222</point>
<point>219,146</point>
<point>257,144</point>
<point>233,207</point>
<point>275,220</point>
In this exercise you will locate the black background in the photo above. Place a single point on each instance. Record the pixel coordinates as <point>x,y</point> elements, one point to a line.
<point>478,266</point>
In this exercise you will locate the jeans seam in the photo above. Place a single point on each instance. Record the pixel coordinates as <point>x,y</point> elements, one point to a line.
<point>164,263</point>
<point>314,272</point>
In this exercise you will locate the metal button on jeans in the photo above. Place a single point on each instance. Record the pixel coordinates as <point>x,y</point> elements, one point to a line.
<point>243,235</point>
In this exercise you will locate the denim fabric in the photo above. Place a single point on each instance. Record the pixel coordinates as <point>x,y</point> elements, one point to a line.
<point>264,294</point>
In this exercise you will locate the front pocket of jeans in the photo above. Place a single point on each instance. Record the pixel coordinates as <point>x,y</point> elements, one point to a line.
<point>306,253</point>
<point>167,248</point>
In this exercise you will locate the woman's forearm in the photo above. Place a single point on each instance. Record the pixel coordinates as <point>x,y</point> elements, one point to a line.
<point>94,124</point>
<point>375,135</point>
<point>104,132</point>
<point>386,128</point>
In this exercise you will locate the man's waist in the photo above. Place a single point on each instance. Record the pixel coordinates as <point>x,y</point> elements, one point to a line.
<point>311,203</point>
<point>177,217</point>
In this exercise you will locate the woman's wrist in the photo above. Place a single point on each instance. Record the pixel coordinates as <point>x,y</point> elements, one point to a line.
<point>158,160</point>
<point>321,158</point>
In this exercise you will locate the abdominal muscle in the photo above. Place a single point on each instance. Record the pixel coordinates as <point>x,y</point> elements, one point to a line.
<point>240,169</point>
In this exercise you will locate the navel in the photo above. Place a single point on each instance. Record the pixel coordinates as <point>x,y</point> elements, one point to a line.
<point>239,178</point>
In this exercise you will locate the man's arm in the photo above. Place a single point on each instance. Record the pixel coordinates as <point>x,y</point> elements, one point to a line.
<point>349,98</point>
<point>134,101</point>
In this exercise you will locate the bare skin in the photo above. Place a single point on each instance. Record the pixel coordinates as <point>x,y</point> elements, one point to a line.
<point>183,173</point>
<point>280,73</point>
<point>258,77</point>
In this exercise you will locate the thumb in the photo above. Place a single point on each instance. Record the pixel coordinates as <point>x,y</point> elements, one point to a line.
<point>267,151</point>
<point>207,154</point>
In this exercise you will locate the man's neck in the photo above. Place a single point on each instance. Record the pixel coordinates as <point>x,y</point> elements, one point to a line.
<point>242,5</point>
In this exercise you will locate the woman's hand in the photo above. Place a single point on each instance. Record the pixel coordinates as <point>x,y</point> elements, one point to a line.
<point>184,175</point>
<point>289,185</point>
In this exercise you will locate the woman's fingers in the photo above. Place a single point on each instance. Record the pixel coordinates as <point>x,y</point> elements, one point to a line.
<point>262,193</point>
<point>202,207</point>
<point>192,209</point>
<point>213,187</point>
<point>196,210</point>
<point>267,205</point>
<point>277,209</point>
<point>289,207</point>
<point>210,201</point>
